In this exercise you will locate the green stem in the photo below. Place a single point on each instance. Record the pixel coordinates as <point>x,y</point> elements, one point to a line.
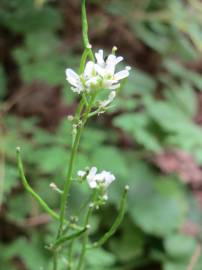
<point>43,204</point>
<point>70,251</point>
<point>76,141</point>
<point>68,181</point>
<point>84,25</point>
<point>86,43</point>
<point>71,165</point>
<point>30,190</point>
<point>116,224</point>
<point>55,260</point>
<point>83,60</point>
<point>85,238</point>
<point>67,238</point>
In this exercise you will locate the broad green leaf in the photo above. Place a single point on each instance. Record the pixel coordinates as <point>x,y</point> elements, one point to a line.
<point>110,158</point>
<point>24,17</point>
<point>130,243</point>
<point>179,246</point>
<point>16,211</point>
<point>100,258</point>
<point>158,207</point>
<point>181,265</point>
<point>31,255</point>
<point>51,159</point>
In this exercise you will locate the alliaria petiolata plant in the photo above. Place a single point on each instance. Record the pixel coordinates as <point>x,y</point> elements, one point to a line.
<point>95,76</point>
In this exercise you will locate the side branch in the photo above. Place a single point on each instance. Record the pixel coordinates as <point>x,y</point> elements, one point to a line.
<point>116,223</point>
<point>72,236</point>
<point>30,190</point>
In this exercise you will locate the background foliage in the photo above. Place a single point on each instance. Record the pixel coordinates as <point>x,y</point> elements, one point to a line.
<point>151,139</point>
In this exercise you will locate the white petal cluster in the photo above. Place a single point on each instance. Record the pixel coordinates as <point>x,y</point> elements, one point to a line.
<point>106,70</point>
<point>98,75</point>
<point>97,180</point>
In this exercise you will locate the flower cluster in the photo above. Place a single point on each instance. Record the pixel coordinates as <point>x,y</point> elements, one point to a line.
<point>98,75</point>
<point>97,180</point>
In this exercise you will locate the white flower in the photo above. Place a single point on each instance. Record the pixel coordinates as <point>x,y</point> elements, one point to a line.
<point>106,102</point>
<point>81,173</point>
<point>74,80</point>
<point>87,81</point>
<point>95,180</point>
<point>99,75</point>
<point>106,69</point>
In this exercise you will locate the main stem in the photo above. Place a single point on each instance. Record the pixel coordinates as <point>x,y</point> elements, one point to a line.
<point>75,146</point>
<point>84,25</point>
<point>78,135</point>
<point>68,180</point>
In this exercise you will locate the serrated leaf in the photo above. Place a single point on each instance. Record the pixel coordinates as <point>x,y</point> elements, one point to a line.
<point>181,72</point>
<point>138,83</point>
<point>183,98</point>
<point>137,125</point>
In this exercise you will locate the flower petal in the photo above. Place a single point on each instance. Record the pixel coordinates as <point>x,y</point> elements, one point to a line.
<point>111,60</point>
<point>76,90</point>
<point>72,77</point>
<point>119,59</point>
<point>121,75</point>
<point>109,178</point>
<point>81,173</point>
<point>100,70</point>
<point>100,58</point>
<point>92,173</point>
<point>88,72</point>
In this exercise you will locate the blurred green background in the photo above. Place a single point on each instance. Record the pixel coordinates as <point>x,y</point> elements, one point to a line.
<point>151,139</point>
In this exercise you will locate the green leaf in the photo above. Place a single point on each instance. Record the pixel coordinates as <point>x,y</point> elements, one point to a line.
<point>153,39</point>
<point>10,179</point>
<point>184,98</point>
<point>182,264</point>
<point>100,258</point>
<point>158,207</point>
<point>16,211</point>
<point>110,158</point>
<point>138,82</point>
<point>183,73</point>
<point>138,126</point>
<point>130,243</point>
<point>37,61</point>
<point>31,255</point>
<point>179,246</point>
<point>165,114</point>
<point>24,17</point>
<point>51,159</point>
